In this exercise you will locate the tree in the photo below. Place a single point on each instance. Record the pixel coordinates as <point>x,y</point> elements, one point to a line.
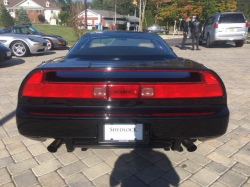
<point>244,6</point>
<point>41,18</point>
<point>209,8</point>
<point>5,18</point>
<point>97,4</point>
<point>74,21</point>
<point>124,7</point>
<point>231,6</point>
<point>64,15</point>
<point>22,18</point>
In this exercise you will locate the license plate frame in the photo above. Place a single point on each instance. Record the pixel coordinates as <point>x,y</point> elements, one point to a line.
<point>107,137</point>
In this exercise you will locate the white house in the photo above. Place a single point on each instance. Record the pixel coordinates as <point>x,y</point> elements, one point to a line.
<point>33,7</point>
<point>105,18</point>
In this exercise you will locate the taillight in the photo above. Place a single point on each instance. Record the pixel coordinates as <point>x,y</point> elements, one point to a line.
<point>209,87</point>
<point>216,25</point>
<point>36,87</point>
<point>247,25</point>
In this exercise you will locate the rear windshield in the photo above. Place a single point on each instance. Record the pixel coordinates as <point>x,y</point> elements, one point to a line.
<point>120,46</point>
<point>232,18</point>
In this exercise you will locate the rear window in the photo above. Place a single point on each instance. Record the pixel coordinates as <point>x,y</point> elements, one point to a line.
<point>121,46</point>
<point>232,18</point>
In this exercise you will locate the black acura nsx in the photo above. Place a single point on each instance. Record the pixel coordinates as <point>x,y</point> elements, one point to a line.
<point>122,90</point>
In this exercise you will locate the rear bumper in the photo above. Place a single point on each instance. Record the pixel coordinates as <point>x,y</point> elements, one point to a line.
<point>4,57</point>
<point>88,132</point>
<point>58,45</point>
<point>231,37</point>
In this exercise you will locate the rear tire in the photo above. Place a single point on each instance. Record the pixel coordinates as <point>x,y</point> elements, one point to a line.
<point>49,44</point>
<point>239,43</point>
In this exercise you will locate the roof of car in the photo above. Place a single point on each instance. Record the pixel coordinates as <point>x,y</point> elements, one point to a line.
<point>121,32</point>
<point>220,13</point>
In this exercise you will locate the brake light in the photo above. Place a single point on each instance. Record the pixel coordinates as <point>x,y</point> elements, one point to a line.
<point>36,87</point>
<point>247,25</point>
<point>216,25</point>
<point>209,87</point>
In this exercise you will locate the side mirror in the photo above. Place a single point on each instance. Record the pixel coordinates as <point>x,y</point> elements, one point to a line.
<point>70,48</point>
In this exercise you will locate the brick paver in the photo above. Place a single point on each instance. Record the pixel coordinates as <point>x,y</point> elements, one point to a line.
<point>220,162</point>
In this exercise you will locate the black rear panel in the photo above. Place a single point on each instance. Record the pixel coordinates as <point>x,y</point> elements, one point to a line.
<point>117,76</point>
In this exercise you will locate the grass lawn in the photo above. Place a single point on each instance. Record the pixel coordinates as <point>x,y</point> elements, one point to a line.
<point>66,32</point>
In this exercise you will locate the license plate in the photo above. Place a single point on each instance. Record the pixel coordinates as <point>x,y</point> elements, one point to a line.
<point>123,132</point>
<point>232,30</point>
<point>8,54</point>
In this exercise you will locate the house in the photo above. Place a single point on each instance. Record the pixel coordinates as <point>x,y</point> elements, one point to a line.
<point>33,7</point>
<point>106,18</point>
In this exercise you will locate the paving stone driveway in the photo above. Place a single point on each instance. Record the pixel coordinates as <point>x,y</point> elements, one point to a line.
<point>224,161</point>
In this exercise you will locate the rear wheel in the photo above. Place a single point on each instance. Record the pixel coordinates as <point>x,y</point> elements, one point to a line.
<point>49,44</point>
<point>19,49</point>
<point>239,43</point>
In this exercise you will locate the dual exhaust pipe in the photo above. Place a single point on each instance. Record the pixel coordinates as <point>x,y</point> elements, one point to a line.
<point>57,143</point>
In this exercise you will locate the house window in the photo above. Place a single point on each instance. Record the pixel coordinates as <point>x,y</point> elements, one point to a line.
<point>6,2</point>
<point>39,11</point>
<point>33,20</point>
<point>47,4</point>
<point>11,10</point>
<point>32,11</point>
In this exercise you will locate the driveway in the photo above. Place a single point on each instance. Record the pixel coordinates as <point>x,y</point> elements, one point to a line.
<point>224,161</point>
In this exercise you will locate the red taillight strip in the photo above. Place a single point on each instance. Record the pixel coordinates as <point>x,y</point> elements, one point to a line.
<point>183,114</point>
<point>35,86</point>
<point>126,115</point>
<point>67,115</point>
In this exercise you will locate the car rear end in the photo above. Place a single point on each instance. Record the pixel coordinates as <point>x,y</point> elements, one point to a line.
<point>231,26</point>
<point>146,97</point>
<point>164,106</point>
<point>5,53</point>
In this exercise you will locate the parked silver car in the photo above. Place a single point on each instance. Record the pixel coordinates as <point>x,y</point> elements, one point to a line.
<point>223,27</point>
<point>22,45</point>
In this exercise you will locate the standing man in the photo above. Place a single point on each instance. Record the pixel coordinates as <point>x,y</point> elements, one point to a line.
<point>196,32</point>
<point>185,32</point>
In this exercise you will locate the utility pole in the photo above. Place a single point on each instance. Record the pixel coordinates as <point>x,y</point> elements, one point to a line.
<point>86,14</point>
<point>135,5</point>
<point>140,24</point>
<point>115,13</point>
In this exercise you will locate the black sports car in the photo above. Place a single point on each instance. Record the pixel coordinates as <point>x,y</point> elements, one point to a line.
<point>5,53</point>
<point>53,41</point>
<point>122,90</point>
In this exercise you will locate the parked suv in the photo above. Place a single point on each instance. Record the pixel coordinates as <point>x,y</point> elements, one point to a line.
<point>223,27</point>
